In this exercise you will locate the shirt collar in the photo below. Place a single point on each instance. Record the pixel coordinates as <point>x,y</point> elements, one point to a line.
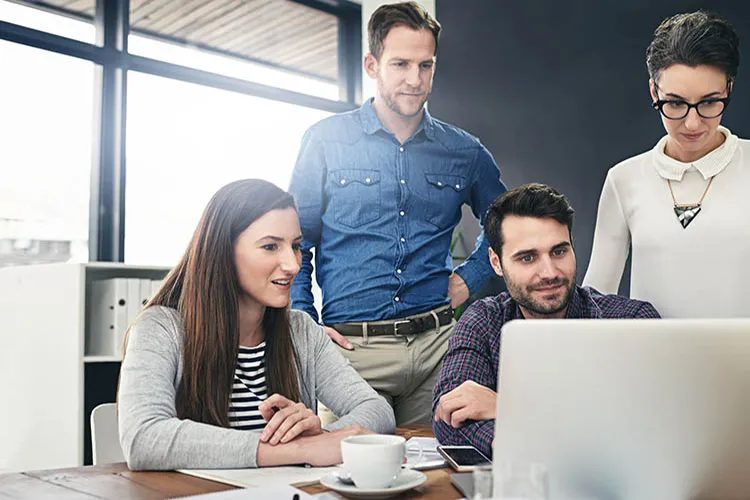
<point>710,165</point>
<point>582,305</point>
<point>371,123</point>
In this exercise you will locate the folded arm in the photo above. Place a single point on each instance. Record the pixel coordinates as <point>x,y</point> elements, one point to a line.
<point>344,391</point>
<point>464,392</point>
<point>151,435</point>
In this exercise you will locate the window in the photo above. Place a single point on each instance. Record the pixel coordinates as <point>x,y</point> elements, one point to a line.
<point>185,141</point>
<point>279,43</point>
<point>45,161</point>
<point>81,29</point>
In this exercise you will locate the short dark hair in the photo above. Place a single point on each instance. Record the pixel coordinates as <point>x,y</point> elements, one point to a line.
<point>529,200</point>
<point>409,14</point>
<point>694,39</point>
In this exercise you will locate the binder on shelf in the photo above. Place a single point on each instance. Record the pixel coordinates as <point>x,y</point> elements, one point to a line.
<point>145,292</point>
<point>108,315</point>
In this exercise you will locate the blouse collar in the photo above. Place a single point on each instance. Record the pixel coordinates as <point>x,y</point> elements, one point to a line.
<point>709,165</point>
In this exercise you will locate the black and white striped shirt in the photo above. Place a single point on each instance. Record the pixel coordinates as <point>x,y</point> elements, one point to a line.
<point>249,389</point>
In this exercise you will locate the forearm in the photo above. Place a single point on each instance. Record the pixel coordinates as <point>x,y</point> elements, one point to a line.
<point>374,414</point>
<point>183,444</point>
<point>345,393</point>
<point>476,269</point>
<point>293,452</point>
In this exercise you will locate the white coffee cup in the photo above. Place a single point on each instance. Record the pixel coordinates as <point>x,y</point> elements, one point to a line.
<point>373,461</point>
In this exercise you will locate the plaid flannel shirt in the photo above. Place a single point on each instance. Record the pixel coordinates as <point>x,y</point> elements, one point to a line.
<point>474,351</point>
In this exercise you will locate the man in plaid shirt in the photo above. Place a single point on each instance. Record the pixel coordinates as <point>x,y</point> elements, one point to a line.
<point>529,232</point>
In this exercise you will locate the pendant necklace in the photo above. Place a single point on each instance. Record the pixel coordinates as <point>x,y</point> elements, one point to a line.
<point>687,212</point>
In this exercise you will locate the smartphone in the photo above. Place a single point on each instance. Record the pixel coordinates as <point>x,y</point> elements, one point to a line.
<point>463,458</point>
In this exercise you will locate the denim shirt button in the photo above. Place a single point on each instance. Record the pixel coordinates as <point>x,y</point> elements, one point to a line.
<point>403,181</point>
<point>401,213</point>
<point>440,183</point>
<point>401,149</point>
<point>458,186</point>
<point>398,271</point>
<point>403,240</point>
<point>396,299</point>
<point>343,181</point>
<point>368,180</point>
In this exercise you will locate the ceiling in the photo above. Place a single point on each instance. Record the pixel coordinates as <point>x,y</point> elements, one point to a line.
<point>279,32</point>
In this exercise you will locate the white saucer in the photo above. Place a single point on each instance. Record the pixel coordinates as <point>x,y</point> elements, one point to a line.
<point>407,480</point>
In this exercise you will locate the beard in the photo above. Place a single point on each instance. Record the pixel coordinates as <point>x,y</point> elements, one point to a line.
<point>389,98</point>
<point>523,295</point>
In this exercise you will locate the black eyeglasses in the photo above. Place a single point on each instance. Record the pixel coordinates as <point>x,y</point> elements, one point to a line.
<point>677,109</point>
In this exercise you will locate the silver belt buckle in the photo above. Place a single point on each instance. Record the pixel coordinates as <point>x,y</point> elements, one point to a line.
<point>395,326</point>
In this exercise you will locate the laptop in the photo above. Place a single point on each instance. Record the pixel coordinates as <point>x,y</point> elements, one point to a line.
<point>628,409</point>
<point>464,482</point>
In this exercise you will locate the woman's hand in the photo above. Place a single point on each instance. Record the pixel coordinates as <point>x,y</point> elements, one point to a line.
<point>286,420</point>
<point>320,450</point>
<point>325,449</point>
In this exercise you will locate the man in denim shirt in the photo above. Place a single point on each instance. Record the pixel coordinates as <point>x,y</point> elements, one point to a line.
<point>379,192</point>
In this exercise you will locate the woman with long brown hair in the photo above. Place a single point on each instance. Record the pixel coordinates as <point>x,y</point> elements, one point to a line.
<point>218,372</point>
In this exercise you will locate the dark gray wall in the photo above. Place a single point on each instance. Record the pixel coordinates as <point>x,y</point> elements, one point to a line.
<point>558,91</point>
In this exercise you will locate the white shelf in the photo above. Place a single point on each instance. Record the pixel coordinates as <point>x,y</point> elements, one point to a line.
<point>101,359</point>
<point>44,324</point>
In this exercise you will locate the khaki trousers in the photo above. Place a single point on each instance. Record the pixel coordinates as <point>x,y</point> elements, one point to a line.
<point>402,369</point>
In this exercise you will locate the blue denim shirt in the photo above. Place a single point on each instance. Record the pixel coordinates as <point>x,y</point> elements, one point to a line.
<point>381,214</point>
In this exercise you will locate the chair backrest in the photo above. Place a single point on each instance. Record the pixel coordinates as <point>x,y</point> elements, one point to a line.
<point>105,435</point>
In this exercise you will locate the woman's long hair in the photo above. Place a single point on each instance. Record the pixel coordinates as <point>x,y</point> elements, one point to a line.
<point>204,288</point>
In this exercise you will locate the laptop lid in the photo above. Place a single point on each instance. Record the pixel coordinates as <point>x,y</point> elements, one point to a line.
<point>637,409</point>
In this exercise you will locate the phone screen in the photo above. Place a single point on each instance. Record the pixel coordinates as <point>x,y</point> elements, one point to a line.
<point>466,456</point>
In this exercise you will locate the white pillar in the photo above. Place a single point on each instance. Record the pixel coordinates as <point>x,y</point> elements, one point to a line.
<point>368,7</point>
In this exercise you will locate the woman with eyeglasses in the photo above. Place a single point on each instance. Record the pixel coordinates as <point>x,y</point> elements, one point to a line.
<point>683,204</point>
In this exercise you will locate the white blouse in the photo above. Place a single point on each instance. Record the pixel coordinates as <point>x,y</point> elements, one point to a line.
<point>702,270</point>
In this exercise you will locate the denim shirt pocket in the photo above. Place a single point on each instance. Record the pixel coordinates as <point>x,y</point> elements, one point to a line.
<point>354,196</point>
<point>445,194</point>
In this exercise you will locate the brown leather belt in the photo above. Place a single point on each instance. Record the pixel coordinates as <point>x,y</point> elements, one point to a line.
<point>408,326</point>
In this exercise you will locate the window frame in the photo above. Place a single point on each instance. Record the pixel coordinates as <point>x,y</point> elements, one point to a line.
<point>112,62</point>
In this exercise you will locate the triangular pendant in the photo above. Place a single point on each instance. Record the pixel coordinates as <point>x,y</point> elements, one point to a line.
<point>686,214</point>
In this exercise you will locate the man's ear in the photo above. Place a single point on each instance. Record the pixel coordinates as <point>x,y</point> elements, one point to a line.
<point>495,263</point>
<point>371,66</point>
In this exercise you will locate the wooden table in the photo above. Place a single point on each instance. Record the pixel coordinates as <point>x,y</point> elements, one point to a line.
<point>117,482</point>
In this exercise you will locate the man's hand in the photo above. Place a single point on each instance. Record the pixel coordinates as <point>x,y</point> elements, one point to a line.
<point>458,291</point>
<point>468,401</point>
<point>338,338</point>
<point>286,420</point>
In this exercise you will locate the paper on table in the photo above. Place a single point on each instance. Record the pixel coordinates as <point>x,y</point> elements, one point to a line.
<point>272,493</point>
<point>264,476</point>
<point>430,456</point>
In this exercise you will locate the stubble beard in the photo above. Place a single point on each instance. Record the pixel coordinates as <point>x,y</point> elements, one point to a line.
<point>522,296</point>
<point>390,101</point>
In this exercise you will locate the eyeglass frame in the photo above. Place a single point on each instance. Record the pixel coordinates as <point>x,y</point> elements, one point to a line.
<point>659,104</point>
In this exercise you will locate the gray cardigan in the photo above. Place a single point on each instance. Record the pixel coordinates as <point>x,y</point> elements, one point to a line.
<point>153,438</point>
